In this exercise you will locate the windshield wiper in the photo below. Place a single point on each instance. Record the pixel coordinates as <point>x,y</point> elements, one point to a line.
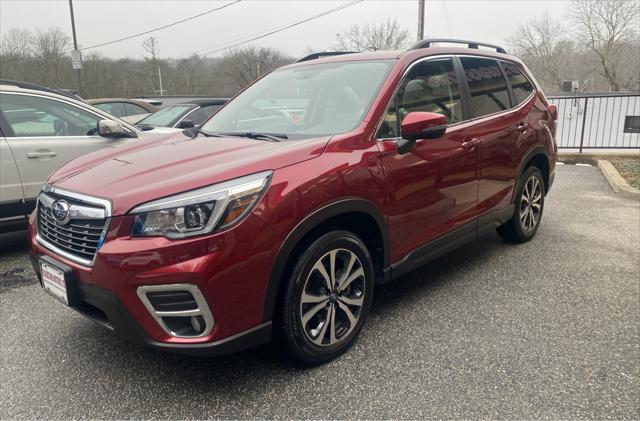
<point>145,127</point>
<point>193,132</point>
<point>271,137</point>
<point>208,134</point>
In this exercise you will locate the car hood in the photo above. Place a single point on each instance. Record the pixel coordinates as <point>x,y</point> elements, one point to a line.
<point>137,172</point>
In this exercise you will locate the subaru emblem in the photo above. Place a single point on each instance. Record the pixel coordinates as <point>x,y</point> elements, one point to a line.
<point>60,211</point>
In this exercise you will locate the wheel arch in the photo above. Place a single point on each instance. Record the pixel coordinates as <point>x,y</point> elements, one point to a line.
<point>356,215</point>
<point>536,156</point>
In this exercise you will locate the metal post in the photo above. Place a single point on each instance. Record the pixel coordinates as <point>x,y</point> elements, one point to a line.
<point>584,122</point>
<point>420,20</point>
<point>75,45</point>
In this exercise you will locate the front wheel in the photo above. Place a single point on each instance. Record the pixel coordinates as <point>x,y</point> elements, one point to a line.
<point>528,210</point>
<point>327,298</point>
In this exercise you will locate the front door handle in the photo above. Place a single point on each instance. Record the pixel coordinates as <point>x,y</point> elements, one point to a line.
<point>48,154</point>
<point>469,145</point>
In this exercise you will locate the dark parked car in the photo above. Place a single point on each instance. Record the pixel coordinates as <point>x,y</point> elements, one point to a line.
<point>280,214</point>
<point>183,116</point>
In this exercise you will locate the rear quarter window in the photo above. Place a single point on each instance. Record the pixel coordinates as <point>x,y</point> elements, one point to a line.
<point>521,86</point>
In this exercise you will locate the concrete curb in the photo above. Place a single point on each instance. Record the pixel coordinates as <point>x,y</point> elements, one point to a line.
<point>616,181</point>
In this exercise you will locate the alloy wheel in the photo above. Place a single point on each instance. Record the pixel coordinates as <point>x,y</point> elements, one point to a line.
<point>332,297</point>
<point>531,204</point>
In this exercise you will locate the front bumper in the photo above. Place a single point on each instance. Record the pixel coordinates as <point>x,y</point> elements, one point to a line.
<point>104,308</point>
<point>231,270</point>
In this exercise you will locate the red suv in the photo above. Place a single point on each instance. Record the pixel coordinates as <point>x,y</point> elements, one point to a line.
<point>283,211</point>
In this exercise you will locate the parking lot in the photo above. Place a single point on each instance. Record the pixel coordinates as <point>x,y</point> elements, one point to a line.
<point>548,329</point>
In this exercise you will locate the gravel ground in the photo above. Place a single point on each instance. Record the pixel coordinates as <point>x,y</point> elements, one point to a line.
<point>549,329</point>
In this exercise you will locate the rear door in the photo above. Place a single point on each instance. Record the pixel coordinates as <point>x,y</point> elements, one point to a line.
<point>45,133</point>
<point>498,131</point>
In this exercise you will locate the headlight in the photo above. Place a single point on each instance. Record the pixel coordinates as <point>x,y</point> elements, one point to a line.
<point>200,211</point>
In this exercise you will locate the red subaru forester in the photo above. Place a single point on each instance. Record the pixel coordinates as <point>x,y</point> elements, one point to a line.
<point>281,213</point>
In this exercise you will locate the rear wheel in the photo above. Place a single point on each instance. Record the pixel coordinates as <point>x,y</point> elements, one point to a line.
<point>327,298</point>
<point>528,210</point>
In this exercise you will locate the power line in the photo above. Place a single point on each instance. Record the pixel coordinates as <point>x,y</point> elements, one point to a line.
<point>161,27</point>
<point>240,41</point>
<point>446,14</point>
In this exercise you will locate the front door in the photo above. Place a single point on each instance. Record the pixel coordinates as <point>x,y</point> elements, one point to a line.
<point>433,189</point>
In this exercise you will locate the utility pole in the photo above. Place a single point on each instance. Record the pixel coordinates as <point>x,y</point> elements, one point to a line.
<point>160,81</point>
<point>420,20</point>
<point>76,56</point>
<point>259,67</point>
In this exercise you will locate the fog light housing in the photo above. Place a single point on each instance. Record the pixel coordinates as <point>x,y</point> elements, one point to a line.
<point>180,309</point>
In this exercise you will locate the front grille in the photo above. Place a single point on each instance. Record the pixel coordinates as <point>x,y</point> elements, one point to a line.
<point>78,238</point>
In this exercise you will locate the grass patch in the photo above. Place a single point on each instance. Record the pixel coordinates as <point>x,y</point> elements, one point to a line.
<point>629,168</point>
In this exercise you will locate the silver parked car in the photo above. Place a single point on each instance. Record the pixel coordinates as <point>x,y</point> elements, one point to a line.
<point>129,110</point>
<point>39,132</point>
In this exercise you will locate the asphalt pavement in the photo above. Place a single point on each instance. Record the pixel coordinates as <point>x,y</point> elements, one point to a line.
<point>548,329</point>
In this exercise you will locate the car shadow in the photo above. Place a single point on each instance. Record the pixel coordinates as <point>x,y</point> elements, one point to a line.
<point>14,242</point>
<point>221,374</point>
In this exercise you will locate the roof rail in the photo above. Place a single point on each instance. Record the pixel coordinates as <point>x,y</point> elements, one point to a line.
<point>27,85</point>
<point>316,56</point>
<point>426,43</point>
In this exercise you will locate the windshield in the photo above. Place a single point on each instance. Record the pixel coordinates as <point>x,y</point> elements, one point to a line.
<point>303,102</point>
<point>166,117</point>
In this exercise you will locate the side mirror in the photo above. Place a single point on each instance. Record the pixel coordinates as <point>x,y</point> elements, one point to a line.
<point>111,129</point>
<point>185,124</point>
<point>420,125</point>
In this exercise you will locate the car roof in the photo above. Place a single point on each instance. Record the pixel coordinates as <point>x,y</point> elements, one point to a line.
<point>406,55</point>
<point>48,92</point>
<point>205,102</point>
<point>101,100</point>
<point>82,104</point>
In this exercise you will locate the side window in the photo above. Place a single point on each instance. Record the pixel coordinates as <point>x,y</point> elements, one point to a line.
<point>520,85</point>
<point>204,113</point>
<point>114,108</point>
<point>34,116</point>
<point>429,86</point>
<point>487,86</point>
<point>133,109</point>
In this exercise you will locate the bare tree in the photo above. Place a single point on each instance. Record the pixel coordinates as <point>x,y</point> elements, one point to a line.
<point>16,43</point>
<point>53,42</point>
<point>543,43</point>
<point>244,65</point>
<point>151,46</point>
<point>385,36</point>
<point>604,26</point>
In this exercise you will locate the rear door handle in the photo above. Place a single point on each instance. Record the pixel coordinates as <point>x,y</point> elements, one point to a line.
<point>522,127</point>
<point>48,154</point>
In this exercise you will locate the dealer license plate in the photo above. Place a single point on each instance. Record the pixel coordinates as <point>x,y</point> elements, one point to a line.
<point>53,281</point>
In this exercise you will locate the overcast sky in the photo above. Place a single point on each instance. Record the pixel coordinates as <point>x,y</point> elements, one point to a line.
<point>100,21</point>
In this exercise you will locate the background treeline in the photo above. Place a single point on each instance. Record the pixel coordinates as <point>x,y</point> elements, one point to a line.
<point>43,57</point>
<point>596,44</point>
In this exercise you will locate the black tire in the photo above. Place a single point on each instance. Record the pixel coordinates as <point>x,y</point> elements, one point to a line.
<point>517,230</point>
<point>297,335</point>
